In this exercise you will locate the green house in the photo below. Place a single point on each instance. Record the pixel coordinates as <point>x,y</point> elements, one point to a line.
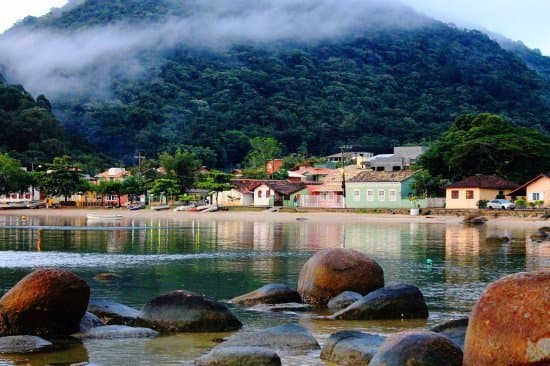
<point>380,189</point>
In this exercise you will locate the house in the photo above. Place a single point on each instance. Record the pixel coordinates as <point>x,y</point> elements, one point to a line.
<point>468,192</point>
<point>273,166</point>
<point>241,195</point>
<point>402,158</point>
<point>278,193</point>
<point>113,174</point>
<point>310,174</point>
<point>358,157</point>
<point>380,189</point>
<point>537,189</point>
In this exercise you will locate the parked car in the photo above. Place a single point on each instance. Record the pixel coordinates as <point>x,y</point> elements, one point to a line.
<point>500,204</point>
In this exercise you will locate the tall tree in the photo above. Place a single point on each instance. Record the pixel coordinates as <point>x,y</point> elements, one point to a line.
<point>12,177</point>
<point>61,179</point>
<point>182,166</point>
<point>263,150</point>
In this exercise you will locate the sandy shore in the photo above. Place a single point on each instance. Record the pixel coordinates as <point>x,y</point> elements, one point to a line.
<point>271,216</point>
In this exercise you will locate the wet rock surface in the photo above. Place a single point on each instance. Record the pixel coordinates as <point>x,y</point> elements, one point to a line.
<point>116,332</point>
<point>23,344</point>
<point>392,302</point>
<point>240,356</point>
<point>455,330</point>
<point>112,313</point>
<point>417,347</point>
<point>89,321</point>
<point>351,348</point>
<point>509,323</point>
<point>45,302</point>
<point>184,311</point>
<point>274,293</point>
<point>332,271</point>
<point>343,300</point>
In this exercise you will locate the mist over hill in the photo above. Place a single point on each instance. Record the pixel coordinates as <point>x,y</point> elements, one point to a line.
<point>157,75</point>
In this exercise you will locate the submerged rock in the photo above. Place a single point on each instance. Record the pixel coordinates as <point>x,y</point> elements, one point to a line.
<point>343,300</point>
<point>287,307</point>
<point>392,302</point>
<point>274,293</point>
<point>22,344</point>
<point>351,348</point>
<point>417,347</point>
<point>509,324</point>
<point>332,271</point>
<point>89,321</point>
<point>475,220</point>
<point>184,311</point>
<point>116,332</point>
<point>112,313</point>
<point>45,302</point>
<point>455,330</point>
<point>240,356</point>
<point>290,339</point>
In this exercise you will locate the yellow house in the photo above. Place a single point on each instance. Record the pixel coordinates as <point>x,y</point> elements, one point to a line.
<point>537,189</point>
<point>469,191</point>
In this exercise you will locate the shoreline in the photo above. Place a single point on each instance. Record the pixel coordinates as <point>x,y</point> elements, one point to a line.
<point>240,215</point>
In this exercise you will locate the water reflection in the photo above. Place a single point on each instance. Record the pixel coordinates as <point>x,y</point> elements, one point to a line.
<point>451,264</point>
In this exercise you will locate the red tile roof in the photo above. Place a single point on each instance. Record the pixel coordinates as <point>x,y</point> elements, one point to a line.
<point>285,187</point>
<point>483,181</point>
<point>246,185</point>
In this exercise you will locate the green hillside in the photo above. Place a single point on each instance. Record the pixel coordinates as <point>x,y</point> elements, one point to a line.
<point>374,88</point>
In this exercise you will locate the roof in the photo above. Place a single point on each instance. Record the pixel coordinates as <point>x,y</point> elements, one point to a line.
<point>114,173</point>
<point>483,181</point>
<point>520,191</point>
<point>285,187</point>
<point>310,170</point>
<point>381,176</point>
<point>246,185</point>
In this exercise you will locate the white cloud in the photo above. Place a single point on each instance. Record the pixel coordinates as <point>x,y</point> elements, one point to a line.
<point>13,11</point>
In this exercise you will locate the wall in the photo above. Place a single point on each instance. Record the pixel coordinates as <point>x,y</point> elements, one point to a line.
<point>356,194</point>
<point>264,200</point>
<point>541,186</point>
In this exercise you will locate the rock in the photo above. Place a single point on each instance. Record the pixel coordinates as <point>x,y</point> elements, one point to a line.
<point>509,323</point>
<point>107,276</point>
<point>240,356</point>
<point>274,293</point>
<point>112,313</point>
<point>116,332</point>
<point>45,302</point>
<point>22,344</point>
<point>343,300</point>
<point>287,307</point>
<point>475,220</point>
<point>332,271</point>
<point>493,240</point>
<point>539,236</point>
<point>351,348</point>
<point>417,347</point>
<point>290,339</point>
<point>455,330</point>
<point>184,311</point>
<point>544,229</point>
<point>89,321</point>
<point>392,302</point>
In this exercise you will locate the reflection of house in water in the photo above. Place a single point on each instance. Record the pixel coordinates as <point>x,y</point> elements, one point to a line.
<point>537,255</point>
<point>462,245</point>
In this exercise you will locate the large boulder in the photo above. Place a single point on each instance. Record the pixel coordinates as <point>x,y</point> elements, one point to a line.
<point>509,324</point>
<point>392,302</point>
<point>22,344</point>
<point>240,356</point>
<point>289,339</point>
<point>332,271</point>
<point>113,313</point>
<point>274,293</point>
<point>351,348</point>
<point>343,300</point>
<point>45,302</point>
<point>417,347</point>
<point>184,311</point>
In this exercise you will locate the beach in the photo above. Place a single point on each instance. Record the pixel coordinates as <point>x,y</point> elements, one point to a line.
<point>280,216</point>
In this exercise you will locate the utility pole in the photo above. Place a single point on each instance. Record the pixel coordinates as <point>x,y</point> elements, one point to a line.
<point>342,148</point>
<point>140,157</point>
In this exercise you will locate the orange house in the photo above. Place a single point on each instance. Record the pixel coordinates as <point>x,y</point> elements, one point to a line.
<point>537,189</point>
<point>468,192</point>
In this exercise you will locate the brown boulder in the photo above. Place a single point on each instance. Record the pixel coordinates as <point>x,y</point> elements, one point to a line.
<point>332,271</point>
<point>45,302</point>
<point>509,323</point>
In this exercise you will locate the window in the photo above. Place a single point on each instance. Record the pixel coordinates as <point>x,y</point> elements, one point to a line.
<point>536,196</point>
<point>370,195</point>
<point>469,195</point>
<point>392,195</point>
<point>323,196</point>
<point>267,193</point>
<point>259,194</point>
<point>381,195</point>
<point>356,194</point>
<point>454,194</point>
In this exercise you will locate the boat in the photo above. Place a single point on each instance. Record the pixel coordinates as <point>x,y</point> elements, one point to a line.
<point>185,208</point>
<point>160,207</point>
<point>109,217</point>
<point>137,206</point>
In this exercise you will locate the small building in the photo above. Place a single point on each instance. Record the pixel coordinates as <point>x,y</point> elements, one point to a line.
<point>277,193</point>
<point>241,195</point>
<point>113,174</point>
<point>537,189</point>
<point>357,157</point>
<point>402,158</point>
<point>273,166</point>
<point>467,193</point>
<point>380,189</point>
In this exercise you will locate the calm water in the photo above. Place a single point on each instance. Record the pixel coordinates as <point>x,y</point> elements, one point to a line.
<point>223,259</point>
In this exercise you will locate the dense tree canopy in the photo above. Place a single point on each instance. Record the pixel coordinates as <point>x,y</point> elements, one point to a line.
<point>488,144</point>
<point>12,177</point>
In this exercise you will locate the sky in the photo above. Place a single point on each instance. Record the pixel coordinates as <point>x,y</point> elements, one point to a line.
<point>525,20</point>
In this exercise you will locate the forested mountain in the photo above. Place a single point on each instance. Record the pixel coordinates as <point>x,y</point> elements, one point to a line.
<point>167,74</point>
<point>32,134</point>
